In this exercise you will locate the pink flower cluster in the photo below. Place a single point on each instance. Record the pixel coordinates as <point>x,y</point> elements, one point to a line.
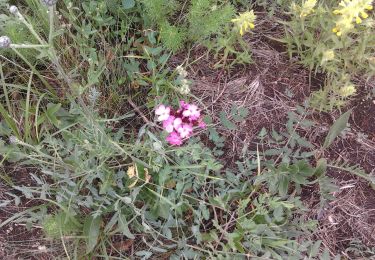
<point>179,124</point>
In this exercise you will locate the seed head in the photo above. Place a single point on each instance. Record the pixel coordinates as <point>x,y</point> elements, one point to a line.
<point>49,2</point>
<point>13,9</point>
<point>5,42</point>
<point>13,140</point>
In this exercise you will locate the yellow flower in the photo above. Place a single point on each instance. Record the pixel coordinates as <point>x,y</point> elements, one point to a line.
<point>349,11</point>
<point>347,91</point>
<point>307,7</point>
<point>327,56</point>
<point>245,21</point>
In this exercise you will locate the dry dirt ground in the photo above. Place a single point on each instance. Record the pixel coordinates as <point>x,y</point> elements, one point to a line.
<point>269,88</point>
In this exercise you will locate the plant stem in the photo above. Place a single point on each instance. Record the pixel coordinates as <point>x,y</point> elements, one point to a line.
<point>28,46</point>
<point>5,89</point>
<point>51,25</point>
<point>27,108</point>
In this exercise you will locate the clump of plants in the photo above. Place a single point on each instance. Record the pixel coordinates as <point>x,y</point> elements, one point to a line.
<point>336,39</point>
<point>210,23</point>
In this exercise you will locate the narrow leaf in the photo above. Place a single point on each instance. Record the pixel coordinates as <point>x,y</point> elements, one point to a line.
<point>337,128</point>
<point>123,225</point>
<point>91,230</point>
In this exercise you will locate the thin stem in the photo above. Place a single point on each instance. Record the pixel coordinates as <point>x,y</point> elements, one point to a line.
<point>5,89</point>
<point>27,109</point>
<point>28,46</point>
<point>51,25</point>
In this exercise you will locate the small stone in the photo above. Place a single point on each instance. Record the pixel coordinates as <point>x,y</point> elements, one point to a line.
<point>42,248</point>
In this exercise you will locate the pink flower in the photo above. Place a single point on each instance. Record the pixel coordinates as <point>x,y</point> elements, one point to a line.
<point>202,124</point>
<point>183,105</point>
<point>168,124</point>
<point>185,130</point>
<point>162,112</point>
<point>174,139</point>
<point>177,123</point>
<point>192,112</point>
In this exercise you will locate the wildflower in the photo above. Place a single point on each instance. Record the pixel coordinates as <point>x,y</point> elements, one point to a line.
<point>181,71</point>
<point>307,8</point>
<point>327,56</point>
<point>347,91</point>
<point>177,122</point>
<point>350,11</point>
<point>183,104</point>
<point>174,139</point>
<point>49,2</point>
<point>5,42</point>
<point>185,130</point>
<point>162,112</point>
<point>245,21</point>
<point>13,9</point>
<point>185,89</point>
<point>168,124</point>
<point>192,112</point>
<point>184,83</point>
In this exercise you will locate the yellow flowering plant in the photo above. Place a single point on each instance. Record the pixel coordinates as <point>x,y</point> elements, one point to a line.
<point>244,22</point>
<point>305,9</point>
<point>350,12</point>
<point>347,49</point>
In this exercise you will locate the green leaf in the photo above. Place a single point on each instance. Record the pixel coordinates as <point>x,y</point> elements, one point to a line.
<point>315,249</point>
<point>226,123</point>
<point>51,113</point>
<point>283,185</point>
<point>9,121</point>
<point>337,128</point>
<point>262,133</point>
<point>123,225</point>
<point>91,231</point>
<point>243,111</point>
<point>128,4</point>
<point>321,167</point>
<point>325,255</point>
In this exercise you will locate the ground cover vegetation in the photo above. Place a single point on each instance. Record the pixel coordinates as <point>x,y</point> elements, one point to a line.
<point>187,129</point>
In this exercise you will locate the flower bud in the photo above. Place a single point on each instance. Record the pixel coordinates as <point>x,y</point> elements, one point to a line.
<point>13,9</point>
<point>49,2</point>
<point>5,42</point>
